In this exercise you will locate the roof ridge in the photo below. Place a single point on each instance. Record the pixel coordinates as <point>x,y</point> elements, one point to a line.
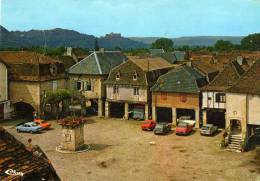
<point>98,63</point>
<point>81,61</point>
<point>244,75</point>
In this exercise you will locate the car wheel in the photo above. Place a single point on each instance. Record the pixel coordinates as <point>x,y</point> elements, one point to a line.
<point>18,130</point>
<point>31,132</point>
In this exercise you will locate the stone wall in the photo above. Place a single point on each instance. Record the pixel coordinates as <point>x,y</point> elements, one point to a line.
<point>32,92</point>
<point>98,89</point>
<point>177,100</point>
<point>3,83</point>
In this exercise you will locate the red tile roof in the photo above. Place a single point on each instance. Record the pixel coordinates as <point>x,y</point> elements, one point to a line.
<point>249,83</point>
<point>14,155</point>
<point>14,57</point>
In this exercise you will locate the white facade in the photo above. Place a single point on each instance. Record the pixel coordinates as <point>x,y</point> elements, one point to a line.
<point>243,107</point>
<point>3,83</point>
<point>5,108</point>
<point>253,109</point>
<point>210,100</point>
<point>126,94</point>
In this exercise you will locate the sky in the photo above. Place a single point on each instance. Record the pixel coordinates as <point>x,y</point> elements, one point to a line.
<point>149,18</point>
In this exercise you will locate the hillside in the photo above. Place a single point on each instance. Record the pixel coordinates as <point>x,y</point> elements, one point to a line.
<point>62,37</point>
<point>192,41</point>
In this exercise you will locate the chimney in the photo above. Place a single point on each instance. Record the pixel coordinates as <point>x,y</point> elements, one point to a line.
<point>240,60</point>
<point>188,63</point>
<point>102,50</point>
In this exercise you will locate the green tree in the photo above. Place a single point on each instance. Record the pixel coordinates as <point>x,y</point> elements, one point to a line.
<point>96,45</point>
<point>223,45</point>
<point>55,98</point>
<point>251,42</point>
<point>164,43</point>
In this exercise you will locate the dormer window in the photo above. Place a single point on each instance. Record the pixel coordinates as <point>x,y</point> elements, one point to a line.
<point>117,75</point>
<point>135,76</point>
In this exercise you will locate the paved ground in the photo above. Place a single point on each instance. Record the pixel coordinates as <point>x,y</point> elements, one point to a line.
<point>121,151</point>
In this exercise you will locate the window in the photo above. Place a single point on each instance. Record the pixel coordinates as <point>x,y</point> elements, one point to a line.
<point>88,86</point>
<point>135,76</point>
<point>118,76</point>
<point>136,91</point>
<point>115,90</point>
<point>220,97</point>
<point>54,85</point>
<point>79,85</point>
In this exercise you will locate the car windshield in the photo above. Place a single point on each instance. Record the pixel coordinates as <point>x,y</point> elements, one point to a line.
<point>185,117</point>
<point>31,124</point>
<point>182,125</point>
<point>147,122</point>
<point>205,128</point>
<point>159,126</point>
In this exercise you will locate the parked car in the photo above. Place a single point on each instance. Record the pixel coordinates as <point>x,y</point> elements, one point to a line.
<point>148,125</point>
<point>208,129</point>
<point>186,119</point>
<point>162,128</point>
<point>183,128</point>
<point>30,127</point>
<point>42,123</point>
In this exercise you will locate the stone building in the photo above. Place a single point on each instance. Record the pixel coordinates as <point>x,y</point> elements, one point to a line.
<point>128,86</point>
<point>31,75</point>
<point>243,107</point>
<point>214,96</point>
<point>88,76</point>
<point>5,109</point>
<point>177,94</point>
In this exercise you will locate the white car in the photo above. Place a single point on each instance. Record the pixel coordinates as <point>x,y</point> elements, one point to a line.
<point>186,119</point>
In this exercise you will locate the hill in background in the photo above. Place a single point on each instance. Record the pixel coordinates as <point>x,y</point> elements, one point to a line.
<point>192,41</point>
<point>69,38</point>
<point>62,38</point>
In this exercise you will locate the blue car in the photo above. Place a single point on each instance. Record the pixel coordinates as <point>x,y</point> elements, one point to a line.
<point>30,127</point>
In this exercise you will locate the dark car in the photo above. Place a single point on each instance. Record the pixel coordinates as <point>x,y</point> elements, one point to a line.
<point>162,128</point>
<point>208,129</point>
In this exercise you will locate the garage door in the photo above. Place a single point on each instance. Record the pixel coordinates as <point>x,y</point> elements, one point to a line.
<point>117,110</point>
<point>186,112</point>
<point>217,118</point>
<point>1,111</point>
<point>164,114</point>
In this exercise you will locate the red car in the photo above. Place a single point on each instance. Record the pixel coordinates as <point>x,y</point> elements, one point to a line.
<point>42,123</point>
<point>183,129</point>
<point>148,125</point>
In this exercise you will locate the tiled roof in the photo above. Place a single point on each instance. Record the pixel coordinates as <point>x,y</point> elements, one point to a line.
<point>151,63</point>
<point>182,79</point>
<point>98,63</point>
<point>225,79</point>
<point>30,66</point>
<point>249,82</point>
<point>126,71</point>
<point>169,56</point>
<point>68,61</point>
<point>14,57</point>
<point>204,67</point>
<point>180,55</point>
<point>14,155</point>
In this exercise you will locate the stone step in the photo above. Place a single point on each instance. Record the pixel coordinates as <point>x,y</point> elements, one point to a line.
<point>235,141</point>
<point>235,136</point>
<point>234,150</point>
<point>234,145</point>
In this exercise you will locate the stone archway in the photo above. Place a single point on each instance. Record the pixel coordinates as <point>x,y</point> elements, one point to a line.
<point>23,109</point>
<point>235,126</point>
